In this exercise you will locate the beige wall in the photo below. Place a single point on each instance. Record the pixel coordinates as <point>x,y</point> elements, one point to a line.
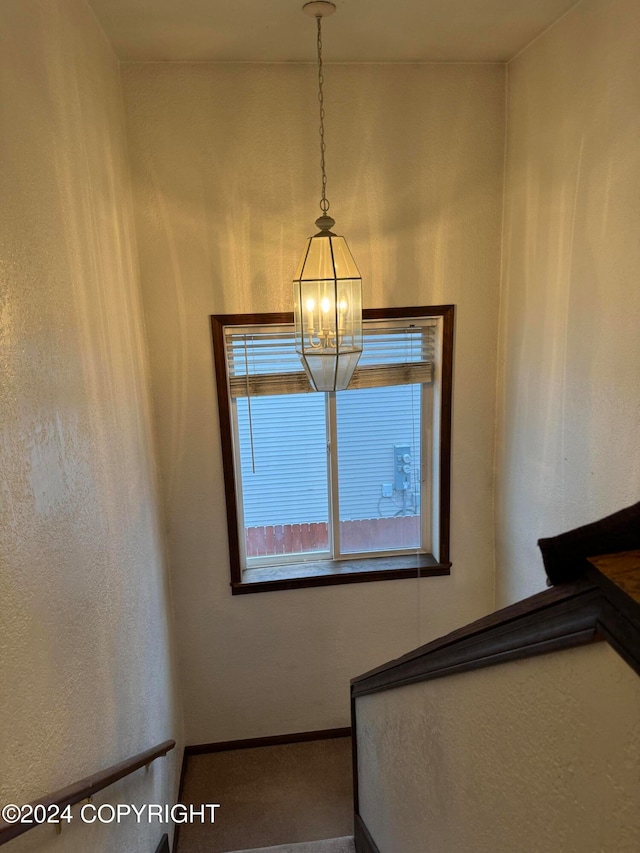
<point>568,443</point>
<point>225,176</point>
<point>499,767</point>
<point>84,627</point>
<point>226,183</point>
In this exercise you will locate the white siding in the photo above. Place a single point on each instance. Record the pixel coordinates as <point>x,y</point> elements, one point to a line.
<point>289,485</point>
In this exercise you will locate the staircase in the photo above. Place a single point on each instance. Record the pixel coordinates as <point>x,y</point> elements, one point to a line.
<point>276,793</point>
<point>520,731</point>
<point>331,845</point>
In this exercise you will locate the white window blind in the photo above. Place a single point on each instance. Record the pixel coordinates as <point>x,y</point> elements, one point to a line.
<point>264,361</point>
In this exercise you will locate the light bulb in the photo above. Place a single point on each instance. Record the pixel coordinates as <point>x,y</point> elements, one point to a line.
<point>311,304</point>
<point>325,305</point>
<point>343,305</point>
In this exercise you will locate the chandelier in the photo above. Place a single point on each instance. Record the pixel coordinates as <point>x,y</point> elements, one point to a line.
<point>327,287</point>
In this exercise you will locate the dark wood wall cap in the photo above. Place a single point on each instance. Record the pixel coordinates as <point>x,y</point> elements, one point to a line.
<point>556,618</point>
<point>566,556</point>
<point>606,605</point>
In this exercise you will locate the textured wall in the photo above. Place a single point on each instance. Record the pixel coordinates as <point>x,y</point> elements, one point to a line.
<point>226,182</point>
<point>84,630</point>
<point>568,443</point>
<point>485,760</point>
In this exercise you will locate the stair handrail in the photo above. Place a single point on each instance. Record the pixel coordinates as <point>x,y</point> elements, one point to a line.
<point>84,789</point>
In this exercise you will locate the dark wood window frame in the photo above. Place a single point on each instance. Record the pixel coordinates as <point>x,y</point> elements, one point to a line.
<point>360,569</point>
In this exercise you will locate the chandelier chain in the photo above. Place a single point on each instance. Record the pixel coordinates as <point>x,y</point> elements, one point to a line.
<point>324,202</point>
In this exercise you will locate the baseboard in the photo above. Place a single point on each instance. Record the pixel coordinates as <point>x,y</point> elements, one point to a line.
<point>163,847</point>
<point>273,740</point>
<point>364,841</point>
<point>176,828</point>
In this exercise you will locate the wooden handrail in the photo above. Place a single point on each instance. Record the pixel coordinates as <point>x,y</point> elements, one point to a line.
<point>86,787</point>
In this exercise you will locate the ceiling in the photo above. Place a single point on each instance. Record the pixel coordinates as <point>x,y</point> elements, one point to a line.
<point>360,31</point>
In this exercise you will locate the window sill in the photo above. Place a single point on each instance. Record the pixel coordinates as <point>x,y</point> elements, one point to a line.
<point>331,572</point>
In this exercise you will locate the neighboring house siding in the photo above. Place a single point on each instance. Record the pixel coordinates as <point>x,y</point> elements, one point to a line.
<point>289,453</point>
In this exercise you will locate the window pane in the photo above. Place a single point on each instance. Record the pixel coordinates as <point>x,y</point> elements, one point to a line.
<point>285,498</point>
<point>375,425</point>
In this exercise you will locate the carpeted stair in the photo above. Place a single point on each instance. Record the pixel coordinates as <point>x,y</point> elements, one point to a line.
<point>331,845</point>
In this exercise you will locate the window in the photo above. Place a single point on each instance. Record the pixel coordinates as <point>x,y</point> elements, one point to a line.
<point>336,487</point>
